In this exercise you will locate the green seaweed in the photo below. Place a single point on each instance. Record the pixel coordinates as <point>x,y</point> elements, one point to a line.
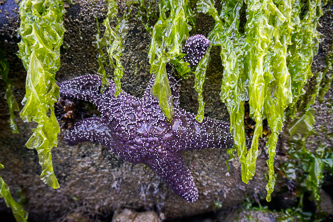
<point>114,40</point>
<point>234,86</point>
<point>41,32</point>
<point>18,212</point>
<point>305,40</point>
<point>11,101</point>
<point>200,74</point>
<point>298,214</point>
<point>168,35</point>
<point>268,65</point>
<point>278,92</point>
<point>314,165</point>
<point>304,165</point>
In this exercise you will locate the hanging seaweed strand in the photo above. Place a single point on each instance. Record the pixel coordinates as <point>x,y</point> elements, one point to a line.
<point>313,163</point>
<point>114,40</point>
<point>234,89</point>
<point>11,101</point>
<point>168,35</point>
<point>278,93</point>
<point>305,41</point>
<point>18,212</point>
<point>41,32</point>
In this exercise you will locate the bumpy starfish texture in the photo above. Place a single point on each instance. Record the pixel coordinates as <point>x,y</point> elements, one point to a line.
<point>195,48</point>
<point>136,130</point>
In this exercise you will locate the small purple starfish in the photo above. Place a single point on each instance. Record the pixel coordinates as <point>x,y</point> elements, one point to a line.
<point>137,131</point>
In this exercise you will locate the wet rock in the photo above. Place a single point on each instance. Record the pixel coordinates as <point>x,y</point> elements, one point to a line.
<point>240,215</point>
<point>9,20</point>
<point>76,217</point>
<point>130,215</point>
<point>326,204</point>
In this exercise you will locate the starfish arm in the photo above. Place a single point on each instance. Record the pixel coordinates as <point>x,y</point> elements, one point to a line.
<point>93,129</point>
<point>85,88</point>
<point>174,86</point>
<point>195,48</point>
<point>208,134</point>
<point>172,170</point>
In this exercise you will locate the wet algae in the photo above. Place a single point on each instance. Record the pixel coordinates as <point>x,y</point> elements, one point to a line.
<point>41,32</point>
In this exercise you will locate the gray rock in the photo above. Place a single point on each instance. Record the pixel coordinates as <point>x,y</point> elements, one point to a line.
<point>326,204</point>
<point>240,215</point>
<point>129,215</point>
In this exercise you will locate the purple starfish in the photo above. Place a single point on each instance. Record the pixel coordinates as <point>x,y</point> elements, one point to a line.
<point>137,131</point>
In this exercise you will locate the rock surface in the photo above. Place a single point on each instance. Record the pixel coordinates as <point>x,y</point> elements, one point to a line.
<point>254,215</point>
<point>94,180</point>
<point>129,215</point>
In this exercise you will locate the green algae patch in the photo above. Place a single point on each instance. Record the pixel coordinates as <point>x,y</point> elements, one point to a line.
<point>18,212</point>
<point>267,65</point>
<point>41,32</point>
<point>114,40</point>
<point>11,101</point>
<point>303,165</point>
